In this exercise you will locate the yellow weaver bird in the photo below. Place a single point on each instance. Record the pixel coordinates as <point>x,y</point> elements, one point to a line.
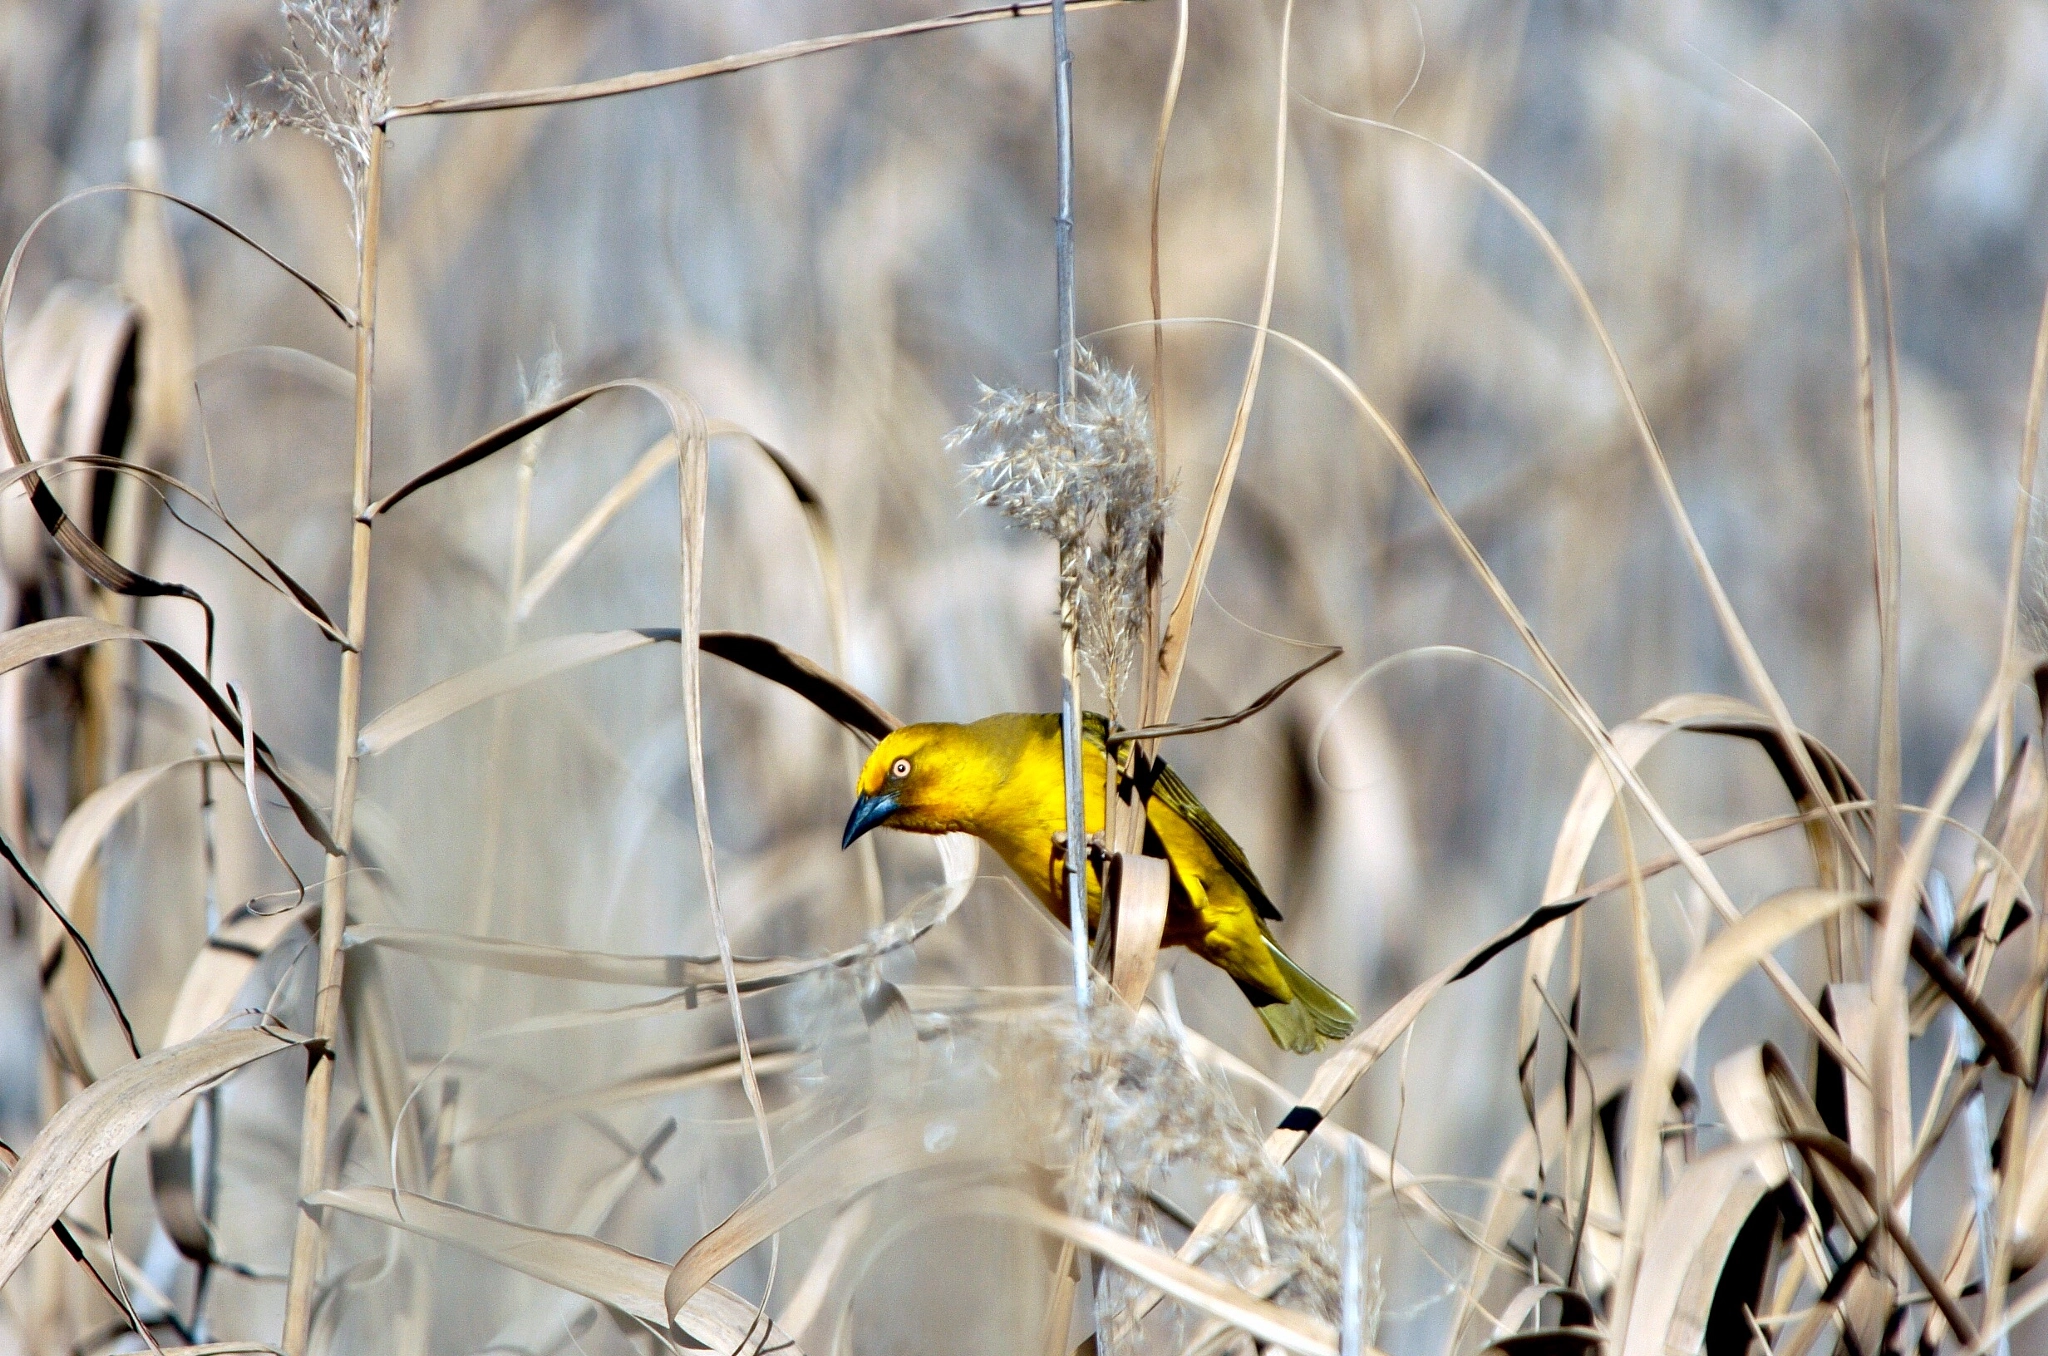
<point>1000,779</point>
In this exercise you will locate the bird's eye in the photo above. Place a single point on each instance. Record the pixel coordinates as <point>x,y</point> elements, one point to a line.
<point>900,768</point>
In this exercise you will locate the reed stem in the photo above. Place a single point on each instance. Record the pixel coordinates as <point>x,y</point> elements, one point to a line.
<point>308,1240</point>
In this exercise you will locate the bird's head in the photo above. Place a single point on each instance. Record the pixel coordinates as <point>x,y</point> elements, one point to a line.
<point>910,781</point>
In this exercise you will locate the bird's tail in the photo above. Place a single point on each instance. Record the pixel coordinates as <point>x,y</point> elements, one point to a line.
<point>1314,1019</point>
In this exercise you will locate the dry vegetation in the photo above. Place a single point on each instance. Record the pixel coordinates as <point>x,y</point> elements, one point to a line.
<point>1675,815</point>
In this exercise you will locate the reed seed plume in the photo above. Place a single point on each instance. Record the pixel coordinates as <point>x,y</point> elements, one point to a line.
<point>1135,1115</point>
<point>1088,479</point>
<point>333,84</point>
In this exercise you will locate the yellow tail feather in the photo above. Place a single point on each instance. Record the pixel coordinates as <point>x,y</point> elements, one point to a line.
<point>1314,1019</point>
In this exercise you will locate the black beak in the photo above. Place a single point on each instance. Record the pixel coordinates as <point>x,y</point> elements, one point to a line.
<point>868,812</point>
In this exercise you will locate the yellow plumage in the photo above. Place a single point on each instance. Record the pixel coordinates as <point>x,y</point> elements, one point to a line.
<point>1000,779</point>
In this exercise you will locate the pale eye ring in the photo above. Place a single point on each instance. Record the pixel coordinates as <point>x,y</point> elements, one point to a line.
<point>900,768</point>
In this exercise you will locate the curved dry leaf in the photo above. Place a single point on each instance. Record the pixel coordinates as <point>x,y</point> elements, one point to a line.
<point>1535,1148</point>
<point>1690,1248</point>
<point>70,538</point>
<point>771,1057</point>
<point>541,659</point>
<point>625,1281</point>
<point>642,473</point>
<point>1747,659</point>
<point>1720,965</point>
<point>700,976</point>
<point>1163,1271</point>
<point>91,1128</point>
<point>59,635</point>
<point>1581,713</point>
<point>828,692</point>
<point>1593,803</point>
<point>643,80</point>
<point>963,1141</point>
<point>523,667</point>
<point>623,491</point>
<point>240,944</point>
<point>86,828</point>
<point>1143,887</point>
<point>1340,1072</point>
<point>271,575</point>
<point>1180,619</point>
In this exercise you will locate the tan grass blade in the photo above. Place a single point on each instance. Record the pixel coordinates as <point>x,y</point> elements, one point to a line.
<point>1739,644</point>
<point>949,1141</point>
<point>1340,1072</point>
<point>1720,965</point>
<point>1202,1291</point>
<point>238,946</point>
<point>542,659</point>
<point>1143,887</point>
<point>520,668</point>
<point>60,635</point>
<point>656,459</point>
<point>1237,717</point>
<point>1888,967</point>
<point>92,1127</point>
<point>598,1271</point>
<point>624,491</point>
<point>272,575</point>
<point>1518,1172</point>
<point>1593,804</point>
<point>74,541</point>
<point>1173,646</point>
<point>643,80</point>
<point>85,831</point>
<point>771,1058</point>
<point>1690,1247</point>
<point>1575,704</point>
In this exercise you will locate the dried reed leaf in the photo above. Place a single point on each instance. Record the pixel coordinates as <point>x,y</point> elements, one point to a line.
<point>536,1328</point>
<point>1593,803</point>
<point>520,668</point>
<point>950,1141</point>
<point>1190,1285</point>
<point>540,659</point>
<point>1697,1240</point>
<point>624,1281</point>
<point>272,575</point>
<point>1519,1173</point>
<point>60,635</point>
<point>1340,1072</point>
<point>70,538</point>
<point>1180,622</point>
<point>699,976</point>
<point>642,474</point>
<point>1237,717</point>
<point>771,1057</point>
<point>1143,886</point>
<point>85,831</point>
<point>1720,965</point>
<point>1740,646</point>
<point>1573,703</point>
<point>642,80</point>
<point>92,1127</point>
<point>831,694</point>
<point>241,943</point>
<point>624,491</point>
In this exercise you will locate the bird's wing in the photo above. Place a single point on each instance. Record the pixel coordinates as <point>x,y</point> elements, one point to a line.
<point>1155,780</point>
<point>1172,792</point>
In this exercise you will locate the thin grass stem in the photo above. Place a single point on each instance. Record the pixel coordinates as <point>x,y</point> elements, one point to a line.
<point>308,1239</point>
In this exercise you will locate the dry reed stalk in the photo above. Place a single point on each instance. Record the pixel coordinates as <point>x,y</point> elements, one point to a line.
<point>308,1251</point>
